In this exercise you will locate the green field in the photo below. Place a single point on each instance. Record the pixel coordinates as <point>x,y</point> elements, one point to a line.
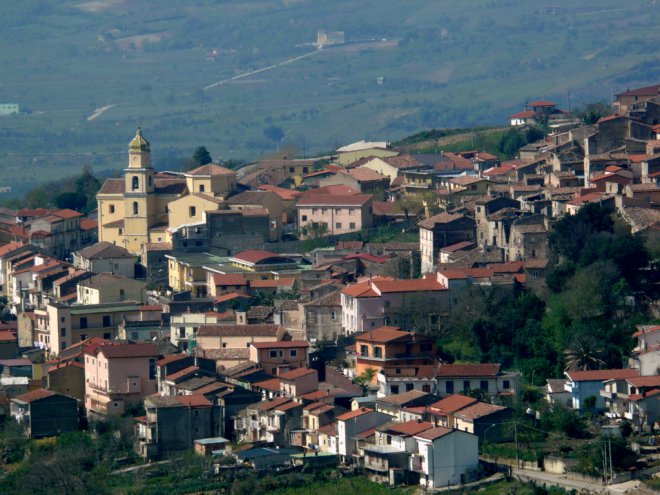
<point>443,64</point>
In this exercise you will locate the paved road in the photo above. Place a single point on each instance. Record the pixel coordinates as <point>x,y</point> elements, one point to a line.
<point>541,477</point>
<point>137,468</point>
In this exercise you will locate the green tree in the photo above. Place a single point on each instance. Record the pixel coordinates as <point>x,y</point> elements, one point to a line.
<point>201,156</point>
<point>510,143</point>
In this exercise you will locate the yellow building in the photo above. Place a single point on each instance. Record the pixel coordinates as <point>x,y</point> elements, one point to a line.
<point>134,210</point>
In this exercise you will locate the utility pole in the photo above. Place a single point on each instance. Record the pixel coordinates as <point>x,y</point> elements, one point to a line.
<point>609,441</point>
<point>515,436</point>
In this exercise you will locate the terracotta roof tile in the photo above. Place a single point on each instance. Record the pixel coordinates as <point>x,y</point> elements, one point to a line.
<point>453,403</point>
<point>601,375</point>
<point>476,370</point>
<point>354,414</point>
<point>259,330</point>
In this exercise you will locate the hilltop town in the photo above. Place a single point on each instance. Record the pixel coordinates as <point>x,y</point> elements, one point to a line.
<point>435,320</point>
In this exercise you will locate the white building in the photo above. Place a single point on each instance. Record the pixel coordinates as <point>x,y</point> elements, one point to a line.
<point>444,456</point>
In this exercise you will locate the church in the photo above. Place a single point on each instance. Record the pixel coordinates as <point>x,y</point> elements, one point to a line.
<point>136,209</point>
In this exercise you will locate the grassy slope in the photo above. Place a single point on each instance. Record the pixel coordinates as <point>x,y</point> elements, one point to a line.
<point>457,64</point>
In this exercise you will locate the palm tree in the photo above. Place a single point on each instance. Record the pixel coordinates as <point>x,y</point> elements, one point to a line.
<point>584,353</point>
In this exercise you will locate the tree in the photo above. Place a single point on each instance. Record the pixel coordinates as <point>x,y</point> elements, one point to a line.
<point>201,156</point>
<point>584,353</point>
<point>274,133</point>
<point>593,112</point>
<point>511,142</point>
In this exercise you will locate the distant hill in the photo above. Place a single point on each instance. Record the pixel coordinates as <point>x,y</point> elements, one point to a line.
<point>192,72</point>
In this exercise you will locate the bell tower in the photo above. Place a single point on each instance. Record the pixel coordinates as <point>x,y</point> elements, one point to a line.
<point>139,195</point>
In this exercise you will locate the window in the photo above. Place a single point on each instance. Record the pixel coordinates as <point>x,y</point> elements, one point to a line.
<point>152,368</point>
<point>352,225</point>
<point>449,386</point>
<point>466,385</point>
<point>409,387</point>
<point>106,321</point>
<point>136,183</point>
<point>83,322</point>
<point>291,170</point>
<point>426,388</point>
<point>135,208</point>
<point>394,389</point>
<point>62,319</point>
<point>483,385</point>
<point>121,294</point>
<point>121,231</point>
<point>293,353</point>
<point>224,345</point>
<point>337,211</point>
<point>192,211</point>
<point>338,225</point>
<point>150,180</point>
<point>303,218</point>
<point>506,384</point>
<point>535,274</point>
<point>273,354</point>
<point>427,347</point>
<point>333,315</point>
<point>63,332</point>
<point>378,352</point>
<point>107,335</point>
<point>305,170</point>
<point>201,188</point>
<point>386,303</point>
<point>364,351</point>
<point>111,208</point>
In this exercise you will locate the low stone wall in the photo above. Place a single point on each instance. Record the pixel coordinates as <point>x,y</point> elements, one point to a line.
<point>505,461</point>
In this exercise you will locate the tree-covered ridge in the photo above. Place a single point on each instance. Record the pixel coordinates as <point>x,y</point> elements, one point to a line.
<point>586,322</point>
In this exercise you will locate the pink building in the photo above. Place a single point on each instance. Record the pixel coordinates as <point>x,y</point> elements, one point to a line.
<point>382,301</point>
<point>119,375</point>
<point>334,214</point>
<point>279,357</point>
<point>299,382</point>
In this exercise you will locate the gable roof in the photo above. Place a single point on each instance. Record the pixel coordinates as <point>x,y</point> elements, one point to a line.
<point>601,375</point>
<point>354,414</point>
<point>453,403</point>
<point>334,200</point>
<point>259,330</point>
<point>210,169</point>
<point>125,350</point>
<point>434,433</point>
<point>479,410</point>
<point>403,398</point>
<point>459,370</point>
<point>407,428</point>
<point>35,395</point>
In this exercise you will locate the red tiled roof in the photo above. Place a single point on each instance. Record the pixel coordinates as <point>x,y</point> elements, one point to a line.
<point>526,114</point>
<point>195,400</point>
<point>272,403</point>
<point>453,403</point>
<point>210,169</point>
<point>457,247</point>
<point>366,257</point>
<point>287,406</point>
<point>645,91</point>
<point>7,336</point>
<point>11,247</point>
<point>271,384</point>
<point>609,117</point>
<point>297,373</point>
<point>541,103</point>
<point>88,224</point>
<point>408,428</point>
<point>35,395</point>
<point>184,372</point>
<point>119,351</point>
<point>644,329</point>
<point>334,200</point>
<point>354,414</point>
<point>171,358</point>
<point>476,370</point>
<point>645,381</point>
<point>601,375</point>
<point>254,255</point>
<point>440,218</point>
<point>647,395</point>
<point>434,433</point>
<point>479,410</point>
<point>383,334</point>
<point>67,214</point>
<point>230,296</point>
<point>412,285</point>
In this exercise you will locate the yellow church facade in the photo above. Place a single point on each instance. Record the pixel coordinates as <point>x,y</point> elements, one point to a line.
<point>136,209</point>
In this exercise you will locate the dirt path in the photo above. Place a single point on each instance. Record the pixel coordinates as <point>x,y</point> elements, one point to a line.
<point>99,111</point>
<point>264,69</point>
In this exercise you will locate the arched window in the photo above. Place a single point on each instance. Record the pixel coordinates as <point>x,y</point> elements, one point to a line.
<point>135,208</point>
<point>136,182</point>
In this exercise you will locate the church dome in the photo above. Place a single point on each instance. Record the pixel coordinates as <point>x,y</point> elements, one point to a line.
<point>139,143</point>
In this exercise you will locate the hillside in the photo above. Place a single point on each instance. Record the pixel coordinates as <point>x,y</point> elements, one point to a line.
<point>190,72</point>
